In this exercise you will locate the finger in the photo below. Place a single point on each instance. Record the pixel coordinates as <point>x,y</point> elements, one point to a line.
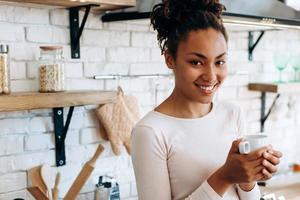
<point>258,153</point>
<point>256,163</point>
<point>267,175</point>
<point>269,166</point>
<point>258,169</point>
<point>275,153</point>
<point>271,158</point>
<point>259,176</point>
<point>235,146</point>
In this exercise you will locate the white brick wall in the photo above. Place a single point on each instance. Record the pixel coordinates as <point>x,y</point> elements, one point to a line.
<point>42,34</point>
<point>12,182</point>
<point>93,54</point>
<point>26,137</point>
<point>41,124</point>
<point>74,70</point>
<point>92,69</point>
<point>12,144</point>
<point>18,70</point>
<point>24,15</point>
<point>104,38</point>
<point>39,142</point>
<point>140,39</point>
<point>13,126</point>
<point>90,135</point>
<point>128,55</point>
<point>12,33</point>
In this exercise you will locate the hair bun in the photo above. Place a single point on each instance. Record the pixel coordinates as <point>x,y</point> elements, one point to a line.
<point>175,8</point>
<point>174,18</point>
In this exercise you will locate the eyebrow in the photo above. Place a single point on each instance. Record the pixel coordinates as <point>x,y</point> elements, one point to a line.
<point>204,57</point>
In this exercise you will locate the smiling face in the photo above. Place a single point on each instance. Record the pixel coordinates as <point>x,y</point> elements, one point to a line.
<point>200,65</point>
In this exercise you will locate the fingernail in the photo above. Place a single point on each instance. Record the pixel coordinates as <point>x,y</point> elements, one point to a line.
<point>264,162</point>
<point>270,151</point>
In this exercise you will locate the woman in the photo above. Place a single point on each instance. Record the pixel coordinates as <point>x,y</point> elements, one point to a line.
<point>186,148</point>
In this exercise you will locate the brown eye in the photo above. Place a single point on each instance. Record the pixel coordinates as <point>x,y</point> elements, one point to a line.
<point>195,63</point>
<point>221,63</point>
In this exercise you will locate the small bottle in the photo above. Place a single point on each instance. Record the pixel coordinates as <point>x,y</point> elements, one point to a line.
<point>102,190</point>
<point>51,69</point>
<point>4,70</point>
<point>115,192</point>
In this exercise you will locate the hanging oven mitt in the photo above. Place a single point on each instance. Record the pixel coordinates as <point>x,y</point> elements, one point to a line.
<point>117,120</point>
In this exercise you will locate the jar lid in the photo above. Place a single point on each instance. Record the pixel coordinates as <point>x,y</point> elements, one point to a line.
<point>4,48</point>
<point>50,48</point>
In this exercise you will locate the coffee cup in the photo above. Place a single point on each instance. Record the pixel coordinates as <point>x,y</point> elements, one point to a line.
<point>252,143</point>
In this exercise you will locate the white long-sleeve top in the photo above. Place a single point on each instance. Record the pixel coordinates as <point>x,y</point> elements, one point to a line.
<point>173,157</point>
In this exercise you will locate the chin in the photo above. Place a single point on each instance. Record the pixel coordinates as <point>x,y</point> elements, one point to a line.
<point>204,100</point>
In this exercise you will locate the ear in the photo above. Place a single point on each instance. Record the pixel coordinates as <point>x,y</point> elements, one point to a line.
<point>169,60</point>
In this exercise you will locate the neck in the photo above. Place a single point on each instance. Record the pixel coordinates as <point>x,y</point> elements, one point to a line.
<point>178,105</point>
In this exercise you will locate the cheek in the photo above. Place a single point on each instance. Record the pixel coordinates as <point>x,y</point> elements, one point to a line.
<point>222,74</point>
<point>184,72</point>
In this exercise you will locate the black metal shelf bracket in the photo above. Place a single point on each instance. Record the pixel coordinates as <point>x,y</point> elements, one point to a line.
<point>60,131</point>
<point>252,44</point>
<point>75,29</point>
<point>263,116</point>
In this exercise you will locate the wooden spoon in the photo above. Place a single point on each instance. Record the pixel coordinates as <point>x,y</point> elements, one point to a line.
<point>35,178</point>
<point>55,188</point>
<point>46,177</point>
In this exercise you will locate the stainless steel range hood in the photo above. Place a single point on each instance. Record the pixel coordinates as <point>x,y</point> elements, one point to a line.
<point>270,13</point>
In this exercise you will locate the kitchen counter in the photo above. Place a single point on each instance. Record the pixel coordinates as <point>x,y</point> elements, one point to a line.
<point>290,192</point>
<point>285,185</point>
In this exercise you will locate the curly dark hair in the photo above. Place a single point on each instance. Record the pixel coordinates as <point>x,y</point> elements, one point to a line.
<point>174,19</point>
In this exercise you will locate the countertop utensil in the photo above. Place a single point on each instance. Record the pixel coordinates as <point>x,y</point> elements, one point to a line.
<point>55,188</point>
<point>35,178</point>
<point>83,175</point>
<point>37,193</point>
<point>46,177</point>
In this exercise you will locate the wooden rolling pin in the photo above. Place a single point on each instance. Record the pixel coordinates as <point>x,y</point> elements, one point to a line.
<point>83,175</point>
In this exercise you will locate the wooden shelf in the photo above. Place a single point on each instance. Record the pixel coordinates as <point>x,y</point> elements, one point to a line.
<point>275,87</point>
<point>36,100</point>
<point>103,4</point>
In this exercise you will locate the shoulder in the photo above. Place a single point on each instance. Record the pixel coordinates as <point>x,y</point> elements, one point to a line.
<point>148,133</point>
<point>149,124</point>
<point>157,121</point>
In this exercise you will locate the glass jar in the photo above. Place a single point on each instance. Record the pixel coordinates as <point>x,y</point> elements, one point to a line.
<point>4,70</point>
<point>51,69</point>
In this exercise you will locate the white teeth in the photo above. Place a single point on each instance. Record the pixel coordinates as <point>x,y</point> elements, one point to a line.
<point>207,87</point>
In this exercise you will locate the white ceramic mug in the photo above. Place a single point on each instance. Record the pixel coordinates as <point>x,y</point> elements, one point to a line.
<point>252,142</point>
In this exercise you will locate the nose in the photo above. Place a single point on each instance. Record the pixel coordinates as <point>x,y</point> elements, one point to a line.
<point>209,73</point>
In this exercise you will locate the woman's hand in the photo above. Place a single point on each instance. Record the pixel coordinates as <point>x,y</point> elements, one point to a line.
<point>239,168</point>
<point>270,162</point>
<point>244,168</point>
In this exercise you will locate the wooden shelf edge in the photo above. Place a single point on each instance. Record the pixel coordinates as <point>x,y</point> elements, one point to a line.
<point>275,87</point>
<point>263,87</point>
<point>36,100</point>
